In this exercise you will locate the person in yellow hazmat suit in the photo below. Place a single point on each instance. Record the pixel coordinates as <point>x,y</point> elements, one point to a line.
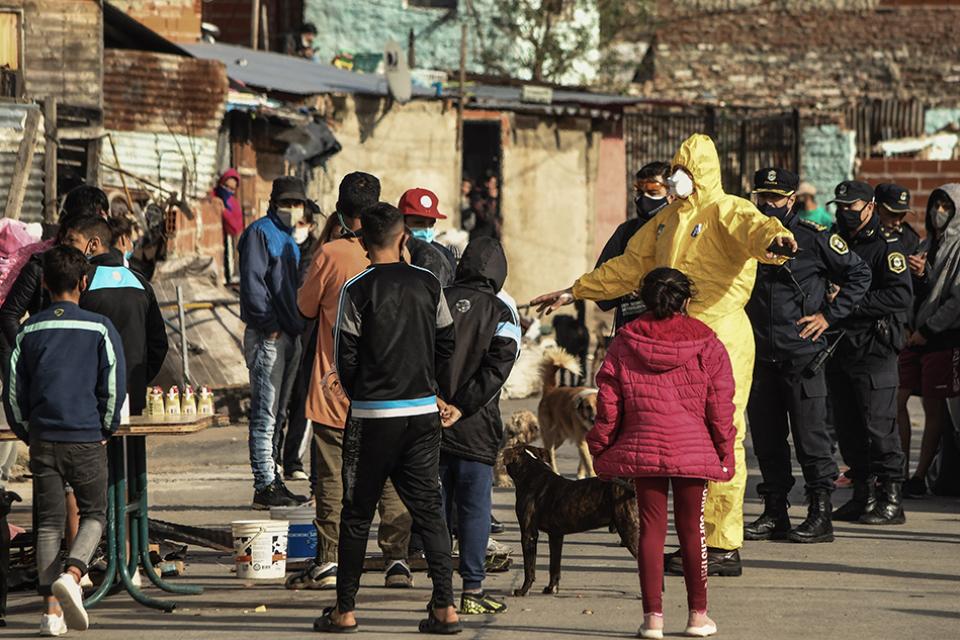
<point>716,239</point>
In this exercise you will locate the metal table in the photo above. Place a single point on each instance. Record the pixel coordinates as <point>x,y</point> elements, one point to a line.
<point>127,499</point>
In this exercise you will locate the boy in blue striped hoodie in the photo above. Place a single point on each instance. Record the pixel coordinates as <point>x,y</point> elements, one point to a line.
<point>66,388</point>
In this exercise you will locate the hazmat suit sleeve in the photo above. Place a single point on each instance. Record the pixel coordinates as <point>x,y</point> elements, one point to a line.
<point>750,232</point>
<point>621,275</point>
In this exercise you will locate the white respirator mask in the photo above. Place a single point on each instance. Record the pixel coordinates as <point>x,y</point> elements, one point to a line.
<point>680,184</point>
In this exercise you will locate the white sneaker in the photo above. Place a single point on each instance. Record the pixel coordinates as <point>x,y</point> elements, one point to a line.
<point>52,626</point>
<point>136,579</point>
<point>86,582</point>
<point>297,475</point>
<point>68,592</point>
<point>701,631</point>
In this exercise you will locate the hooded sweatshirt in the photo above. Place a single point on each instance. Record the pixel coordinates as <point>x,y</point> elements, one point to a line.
<point>938,316</point>
<point>487,345</point>
<point>665,405</point>
<point>232,212</point>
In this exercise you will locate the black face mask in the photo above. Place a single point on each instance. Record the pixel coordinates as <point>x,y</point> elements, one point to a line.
<point>848,221</point>
<point>647,206</point>
<point>780,213</point>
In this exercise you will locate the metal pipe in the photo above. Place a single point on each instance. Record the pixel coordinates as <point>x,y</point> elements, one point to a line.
<point>185,369</point>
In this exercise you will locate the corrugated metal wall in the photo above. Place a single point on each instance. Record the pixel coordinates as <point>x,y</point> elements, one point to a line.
<point>159,158</point>
<point>12,118</point>
<point>63,49</point>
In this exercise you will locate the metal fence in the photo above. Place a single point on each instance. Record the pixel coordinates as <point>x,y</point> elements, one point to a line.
<point>889,119</point>
<point>746,140</point>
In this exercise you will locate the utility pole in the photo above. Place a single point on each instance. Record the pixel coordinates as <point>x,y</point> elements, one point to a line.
<point>254,23</point>
<point>463,81</point>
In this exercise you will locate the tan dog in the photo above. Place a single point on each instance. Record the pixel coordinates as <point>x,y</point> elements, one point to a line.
<point>523,428</point>
<point>565,413</point>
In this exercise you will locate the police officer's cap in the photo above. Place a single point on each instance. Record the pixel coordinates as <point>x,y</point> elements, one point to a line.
<point>893,197</point>
<point>774,180</point>
<point>849,191</point>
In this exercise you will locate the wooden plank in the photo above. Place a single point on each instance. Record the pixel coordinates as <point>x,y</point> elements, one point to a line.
<point>21,176</point>
<point>50,161</point>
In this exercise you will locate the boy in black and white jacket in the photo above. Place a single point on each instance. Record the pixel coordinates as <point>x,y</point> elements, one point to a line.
<point>393,333</point>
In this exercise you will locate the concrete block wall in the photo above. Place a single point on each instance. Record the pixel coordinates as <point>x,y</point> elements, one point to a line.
<point>203,235</point>
<point>176,20</point>
<point>826,158</point>
<point>919,176</point>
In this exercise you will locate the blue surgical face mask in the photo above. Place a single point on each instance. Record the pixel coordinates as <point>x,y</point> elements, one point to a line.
<point>127,255</point>
<point>426,234</point>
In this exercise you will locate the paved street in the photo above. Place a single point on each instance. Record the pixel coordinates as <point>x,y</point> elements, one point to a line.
<point>877,583</point>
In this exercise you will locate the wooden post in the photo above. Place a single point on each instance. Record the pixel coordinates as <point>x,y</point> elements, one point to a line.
<point>21,174</point>
<point>123,180</point>
<point>463,81</point>
<point>50,160</point>
<point>184,360</point>
<point>411,50</point>
<point>265,25</point>
<point>254,23</point>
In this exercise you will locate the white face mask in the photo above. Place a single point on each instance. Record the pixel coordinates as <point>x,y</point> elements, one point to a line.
<point>290,216</point>
<point>300,234</point>
<point>941,218</point>
<point>680,184</point>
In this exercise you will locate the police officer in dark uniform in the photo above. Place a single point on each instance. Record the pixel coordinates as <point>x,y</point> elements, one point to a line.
<point>790,311</point>
<point>862,376</point>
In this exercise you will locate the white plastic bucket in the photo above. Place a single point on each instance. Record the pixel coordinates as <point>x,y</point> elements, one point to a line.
<point>260,549</point>
<point>302,537</point>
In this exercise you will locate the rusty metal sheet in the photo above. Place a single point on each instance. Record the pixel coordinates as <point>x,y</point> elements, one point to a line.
<point>12,117</point>
<point>163,93</point>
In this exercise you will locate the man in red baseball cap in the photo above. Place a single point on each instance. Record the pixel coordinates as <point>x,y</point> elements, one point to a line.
<point>420,213</point>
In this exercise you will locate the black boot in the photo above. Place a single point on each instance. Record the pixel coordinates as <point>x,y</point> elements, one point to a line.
<point>720,562</point>
<point>818,527</point>
<point>863,500</point>
<point>889,509</point>
<point>773,523</point>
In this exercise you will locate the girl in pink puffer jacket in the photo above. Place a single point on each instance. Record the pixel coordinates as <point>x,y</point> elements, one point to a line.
<point>665,416</point>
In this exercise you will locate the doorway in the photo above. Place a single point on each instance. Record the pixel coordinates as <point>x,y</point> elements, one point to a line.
<point>481,178</point>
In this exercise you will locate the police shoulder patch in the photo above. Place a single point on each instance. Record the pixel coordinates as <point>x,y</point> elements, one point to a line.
<point>812,225</point>
<point>896,262</point>
<point>838,244</point>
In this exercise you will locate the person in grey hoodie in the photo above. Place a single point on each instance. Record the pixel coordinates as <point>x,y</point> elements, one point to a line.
<point>937,337</point>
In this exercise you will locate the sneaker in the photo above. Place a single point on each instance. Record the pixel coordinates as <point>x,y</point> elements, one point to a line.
<point>299,499</point>
<point>299,474</point>
<point>496,548</point>
<point>915,487</point>
<point>398,575</point>
<point>321,576</point>
<point>272,495</point>
<point>480,604</point>
<point>52,626</point>
<point>68,592</point>
<point>495,525</point>
<point>86,582</point>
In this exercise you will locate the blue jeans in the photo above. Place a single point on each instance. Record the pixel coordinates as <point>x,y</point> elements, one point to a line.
<point>466,487</point>
<point>273,367</point>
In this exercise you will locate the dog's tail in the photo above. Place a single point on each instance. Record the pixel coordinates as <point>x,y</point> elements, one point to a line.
<point>555,359</point>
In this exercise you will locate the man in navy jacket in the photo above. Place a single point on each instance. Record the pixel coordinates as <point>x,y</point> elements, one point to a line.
<point>269,274</point>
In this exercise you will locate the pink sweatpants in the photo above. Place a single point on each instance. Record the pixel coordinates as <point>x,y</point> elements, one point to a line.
<point>689,495</point>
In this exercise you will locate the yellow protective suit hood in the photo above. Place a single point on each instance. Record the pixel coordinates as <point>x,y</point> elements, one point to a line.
<point>716,239</point>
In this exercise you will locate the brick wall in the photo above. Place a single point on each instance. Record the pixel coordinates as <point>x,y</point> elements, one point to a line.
<point>203,235</point>
<point>806,55</point>
<point>919,176</point>
<point>176,20</point>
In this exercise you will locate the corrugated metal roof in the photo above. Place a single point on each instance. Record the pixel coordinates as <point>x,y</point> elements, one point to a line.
<point>159,158</point>
<point>289,74</point>
<point>163,93</point>
<point>12,119</point>
<point>509,97</point>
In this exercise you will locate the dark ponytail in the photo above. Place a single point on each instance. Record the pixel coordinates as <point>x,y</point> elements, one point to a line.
<point>664,292</point>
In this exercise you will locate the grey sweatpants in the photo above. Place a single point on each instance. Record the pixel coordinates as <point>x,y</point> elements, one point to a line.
<point>84,466</point>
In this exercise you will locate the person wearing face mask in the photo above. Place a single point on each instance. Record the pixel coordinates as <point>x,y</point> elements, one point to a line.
<point>862,376</point>
<point>127,299</point>
<point>650,195</point>
<point>789,312</point>
<point>420,214</point>
<point>122,230</point>
<point>934,347</point>
<point>269,272</point>
<point>232,219</point>
<point>716,239</point>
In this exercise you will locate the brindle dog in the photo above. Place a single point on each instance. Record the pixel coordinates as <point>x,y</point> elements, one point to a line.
<point>7,498</point>
<point>558,506</point>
